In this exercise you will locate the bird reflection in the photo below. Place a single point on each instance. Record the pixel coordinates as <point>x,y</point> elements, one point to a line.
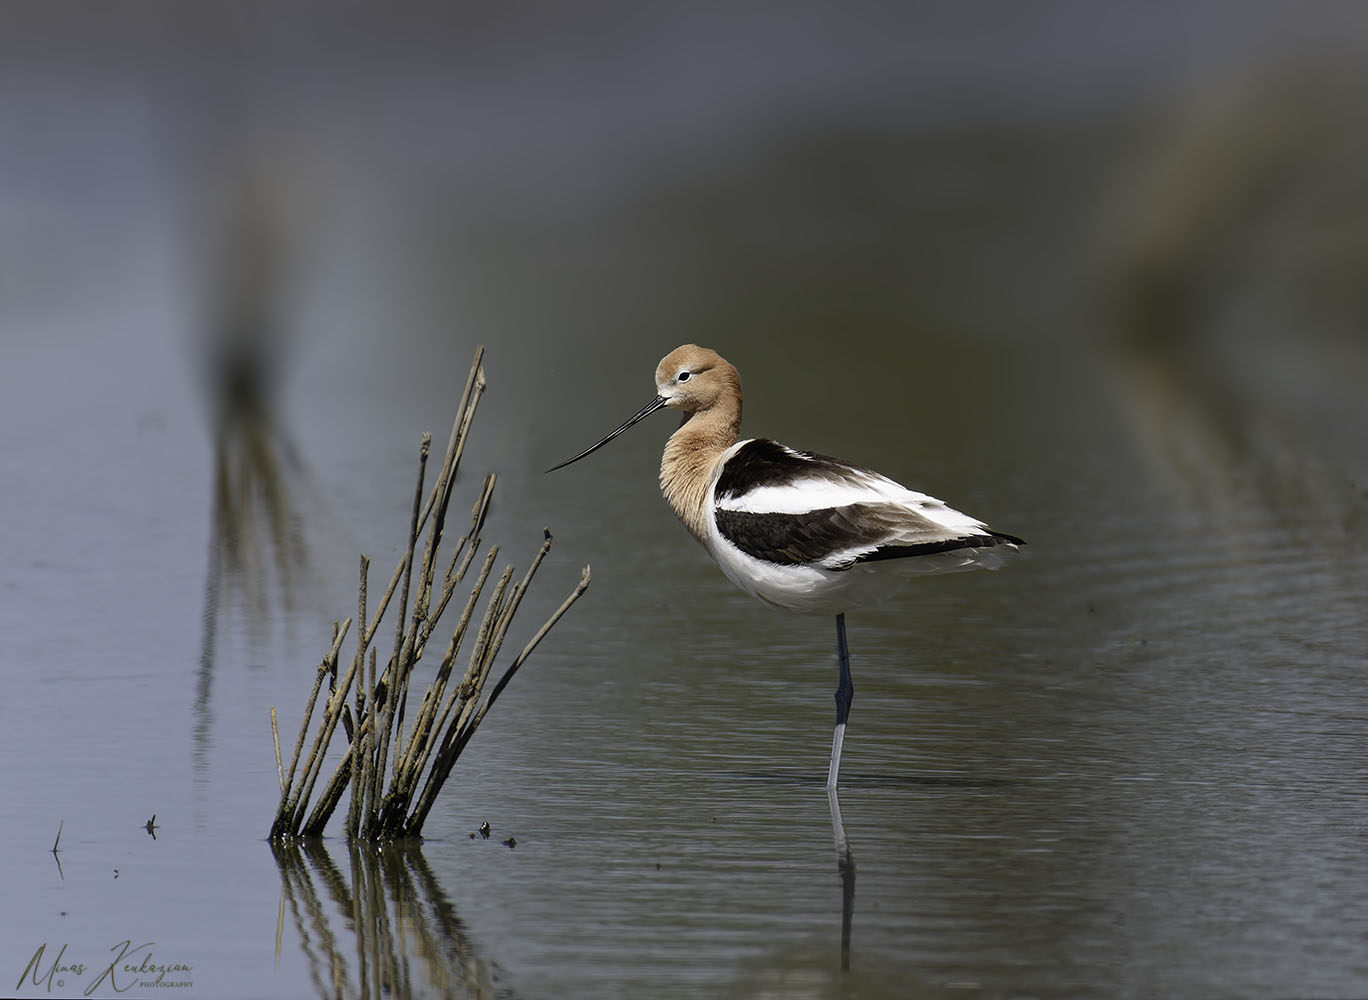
<point>391,931</point>
<point>845,864</point>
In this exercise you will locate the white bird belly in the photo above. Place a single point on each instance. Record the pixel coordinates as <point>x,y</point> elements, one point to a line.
<point>812,590</point>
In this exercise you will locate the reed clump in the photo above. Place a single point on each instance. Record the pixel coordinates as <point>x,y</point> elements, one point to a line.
<point>395,773</point>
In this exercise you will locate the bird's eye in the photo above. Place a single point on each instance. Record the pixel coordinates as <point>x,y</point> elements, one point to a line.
<point>684,375</point>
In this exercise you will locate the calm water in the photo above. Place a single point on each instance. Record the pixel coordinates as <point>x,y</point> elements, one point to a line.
<point>1130,764</point>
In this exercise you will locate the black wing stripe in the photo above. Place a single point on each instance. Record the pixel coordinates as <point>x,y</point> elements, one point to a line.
<point>762,462</point>
<point>816,535</point>
<point>943,545</point>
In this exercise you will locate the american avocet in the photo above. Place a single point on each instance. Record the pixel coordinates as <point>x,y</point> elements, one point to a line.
<point>802,532</point>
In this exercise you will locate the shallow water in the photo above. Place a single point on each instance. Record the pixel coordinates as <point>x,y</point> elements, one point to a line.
<point>1128,764</point>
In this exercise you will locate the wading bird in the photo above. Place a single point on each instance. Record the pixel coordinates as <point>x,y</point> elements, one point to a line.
<point>802,532</point>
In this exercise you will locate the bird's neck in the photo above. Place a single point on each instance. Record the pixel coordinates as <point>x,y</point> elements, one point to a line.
<point>690,455</point>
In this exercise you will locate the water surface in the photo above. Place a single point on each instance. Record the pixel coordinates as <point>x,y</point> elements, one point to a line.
<point>1129,764</point>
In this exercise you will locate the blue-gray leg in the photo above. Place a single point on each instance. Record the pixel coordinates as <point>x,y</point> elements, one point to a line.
<point>845,693</point>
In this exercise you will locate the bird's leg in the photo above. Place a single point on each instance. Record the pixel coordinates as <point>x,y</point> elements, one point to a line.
<point>845,692</point>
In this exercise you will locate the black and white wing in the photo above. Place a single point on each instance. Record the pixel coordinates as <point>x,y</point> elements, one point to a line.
<point>790,507</point>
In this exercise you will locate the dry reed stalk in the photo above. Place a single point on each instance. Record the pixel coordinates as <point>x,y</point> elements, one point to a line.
<point>357,735</point>
<point>275,737</point>
<point>441,768</point>
<point>289,804</point>
<point>445,716</point>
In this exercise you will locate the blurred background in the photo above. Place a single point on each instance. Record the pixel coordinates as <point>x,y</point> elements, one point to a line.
<point>279,199</point>
<point>1094,272</point>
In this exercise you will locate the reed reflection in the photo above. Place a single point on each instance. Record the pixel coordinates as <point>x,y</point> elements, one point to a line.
<point>1234,296</point>
<point>381,928</point>
<point>258,554</point>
